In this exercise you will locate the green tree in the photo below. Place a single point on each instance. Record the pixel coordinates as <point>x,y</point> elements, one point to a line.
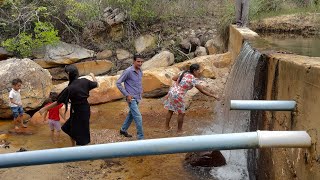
<point>23,44</point>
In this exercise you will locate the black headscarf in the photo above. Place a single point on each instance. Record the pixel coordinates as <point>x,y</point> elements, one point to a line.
<point>73,74</point>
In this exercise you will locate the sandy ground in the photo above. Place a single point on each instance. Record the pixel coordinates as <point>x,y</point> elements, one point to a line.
<point>104,129</point>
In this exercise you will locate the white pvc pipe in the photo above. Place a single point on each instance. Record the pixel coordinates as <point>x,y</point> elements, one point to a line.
<point>283,139</point>
<point>247,140</point>
<point>275,105</point>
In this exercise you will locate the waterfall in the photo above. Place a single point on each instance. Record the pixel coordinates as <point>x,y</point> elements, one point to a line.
<point>239,86</point>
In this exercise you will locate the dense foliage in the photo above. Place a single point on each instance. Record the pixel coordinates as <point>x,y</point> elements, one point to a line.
<point>25,24</point>
<point>23,44</point>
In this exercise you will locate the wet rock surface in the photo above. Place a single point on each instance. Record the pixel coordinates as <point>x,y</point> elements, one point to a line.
<point>206,159</point>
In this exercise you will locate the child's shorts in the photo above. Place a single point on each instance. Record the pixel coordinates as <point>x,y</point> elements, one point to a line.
<point>16,111</point>
<point>54,125</point>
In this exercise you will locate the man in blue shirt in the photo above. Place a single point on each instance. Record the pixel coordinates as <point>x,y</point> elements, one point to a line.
<point>132,90</point>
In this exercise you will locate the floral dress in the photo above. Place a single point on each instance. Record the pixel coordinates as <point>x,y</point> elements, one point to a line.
<point>173,101</point>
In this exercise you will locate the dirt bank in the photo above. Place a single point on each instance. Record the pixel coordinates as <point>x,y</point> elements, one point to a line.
<point>306,24</point>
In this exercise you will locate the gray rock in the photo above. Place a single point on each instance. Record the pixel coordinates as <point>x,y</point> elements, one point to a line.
<point>36,84</point>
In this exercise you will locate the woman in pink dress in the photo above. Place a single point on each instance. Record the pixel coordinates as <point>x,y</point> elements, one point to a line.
<point>174,102</point>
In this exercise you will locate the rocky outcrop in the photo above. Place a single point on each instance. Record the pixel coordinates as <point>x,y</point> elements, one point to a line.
<point>163,59</point>
<point>156,81</point>
<point>155,84</point>
<point>63,54</point>
<point>36,84</point>
<point>208,64</point>
<point>96,32</point>
<point>113,16</point>
<point>109,28</point>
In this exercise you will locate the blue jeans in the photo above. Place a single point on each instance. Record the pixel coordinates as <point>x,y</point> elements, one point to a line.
<point>134,114</point>
<point>17,111</point>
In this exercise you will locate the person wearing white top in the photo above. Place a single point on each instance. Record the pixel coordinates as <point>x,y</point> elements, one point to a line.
<point>16,103</point>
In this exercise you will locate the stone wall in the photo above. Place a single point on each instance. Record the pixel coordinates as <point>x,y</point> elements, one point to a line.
<point>287,77</point>
<point>293,77</point>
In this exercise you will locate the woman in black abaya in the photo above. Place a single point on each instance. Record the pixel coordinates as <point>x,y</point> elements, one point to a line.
<point>77,92</point>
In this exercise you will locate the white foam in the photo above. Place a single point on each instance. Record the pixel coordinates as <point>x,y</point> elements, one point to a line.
<point>230,172</point>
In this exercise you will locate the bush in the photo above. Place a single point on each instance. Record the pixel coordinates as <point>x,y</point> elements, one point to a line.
<point>23,44</point>
<point>80,13</point>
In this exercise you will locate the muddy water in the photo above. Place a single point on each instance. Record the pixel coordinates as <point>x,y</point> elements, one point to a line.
<point>105,123</point>
<point>307,46</point>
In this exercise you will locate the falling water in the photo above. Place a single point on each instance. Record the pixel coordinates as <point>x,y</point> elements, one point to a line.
<point>240,86</point>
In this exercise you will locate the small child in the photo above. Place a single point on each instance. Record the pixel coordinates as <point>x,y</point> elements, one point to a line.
<point>16,103</point>
<point>54,118</point>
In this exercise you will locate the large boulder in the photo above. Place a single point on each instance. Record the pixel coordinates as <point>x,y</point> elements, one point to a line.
<point>212,49</point>
<point>163,59</point>
<point>105,54</point>
<point>156,82</point>
<point>200,51</point>
<point>123,54</point>
<point>106,92</point>
<point>185,45</point>
<point>36,84</point>
<point>207,68</point>
<point>96,67</point>
<point>63,54</point>
<point>145,43</point>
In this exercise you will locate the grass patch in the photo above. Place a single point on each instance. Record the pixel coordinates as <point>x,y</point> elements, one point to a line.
<point>296,10</point>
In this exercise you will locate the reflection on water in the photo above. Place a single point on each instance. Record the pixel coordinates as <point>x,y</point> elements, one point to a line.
<point>307,46</point>
<point>39,140</point>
